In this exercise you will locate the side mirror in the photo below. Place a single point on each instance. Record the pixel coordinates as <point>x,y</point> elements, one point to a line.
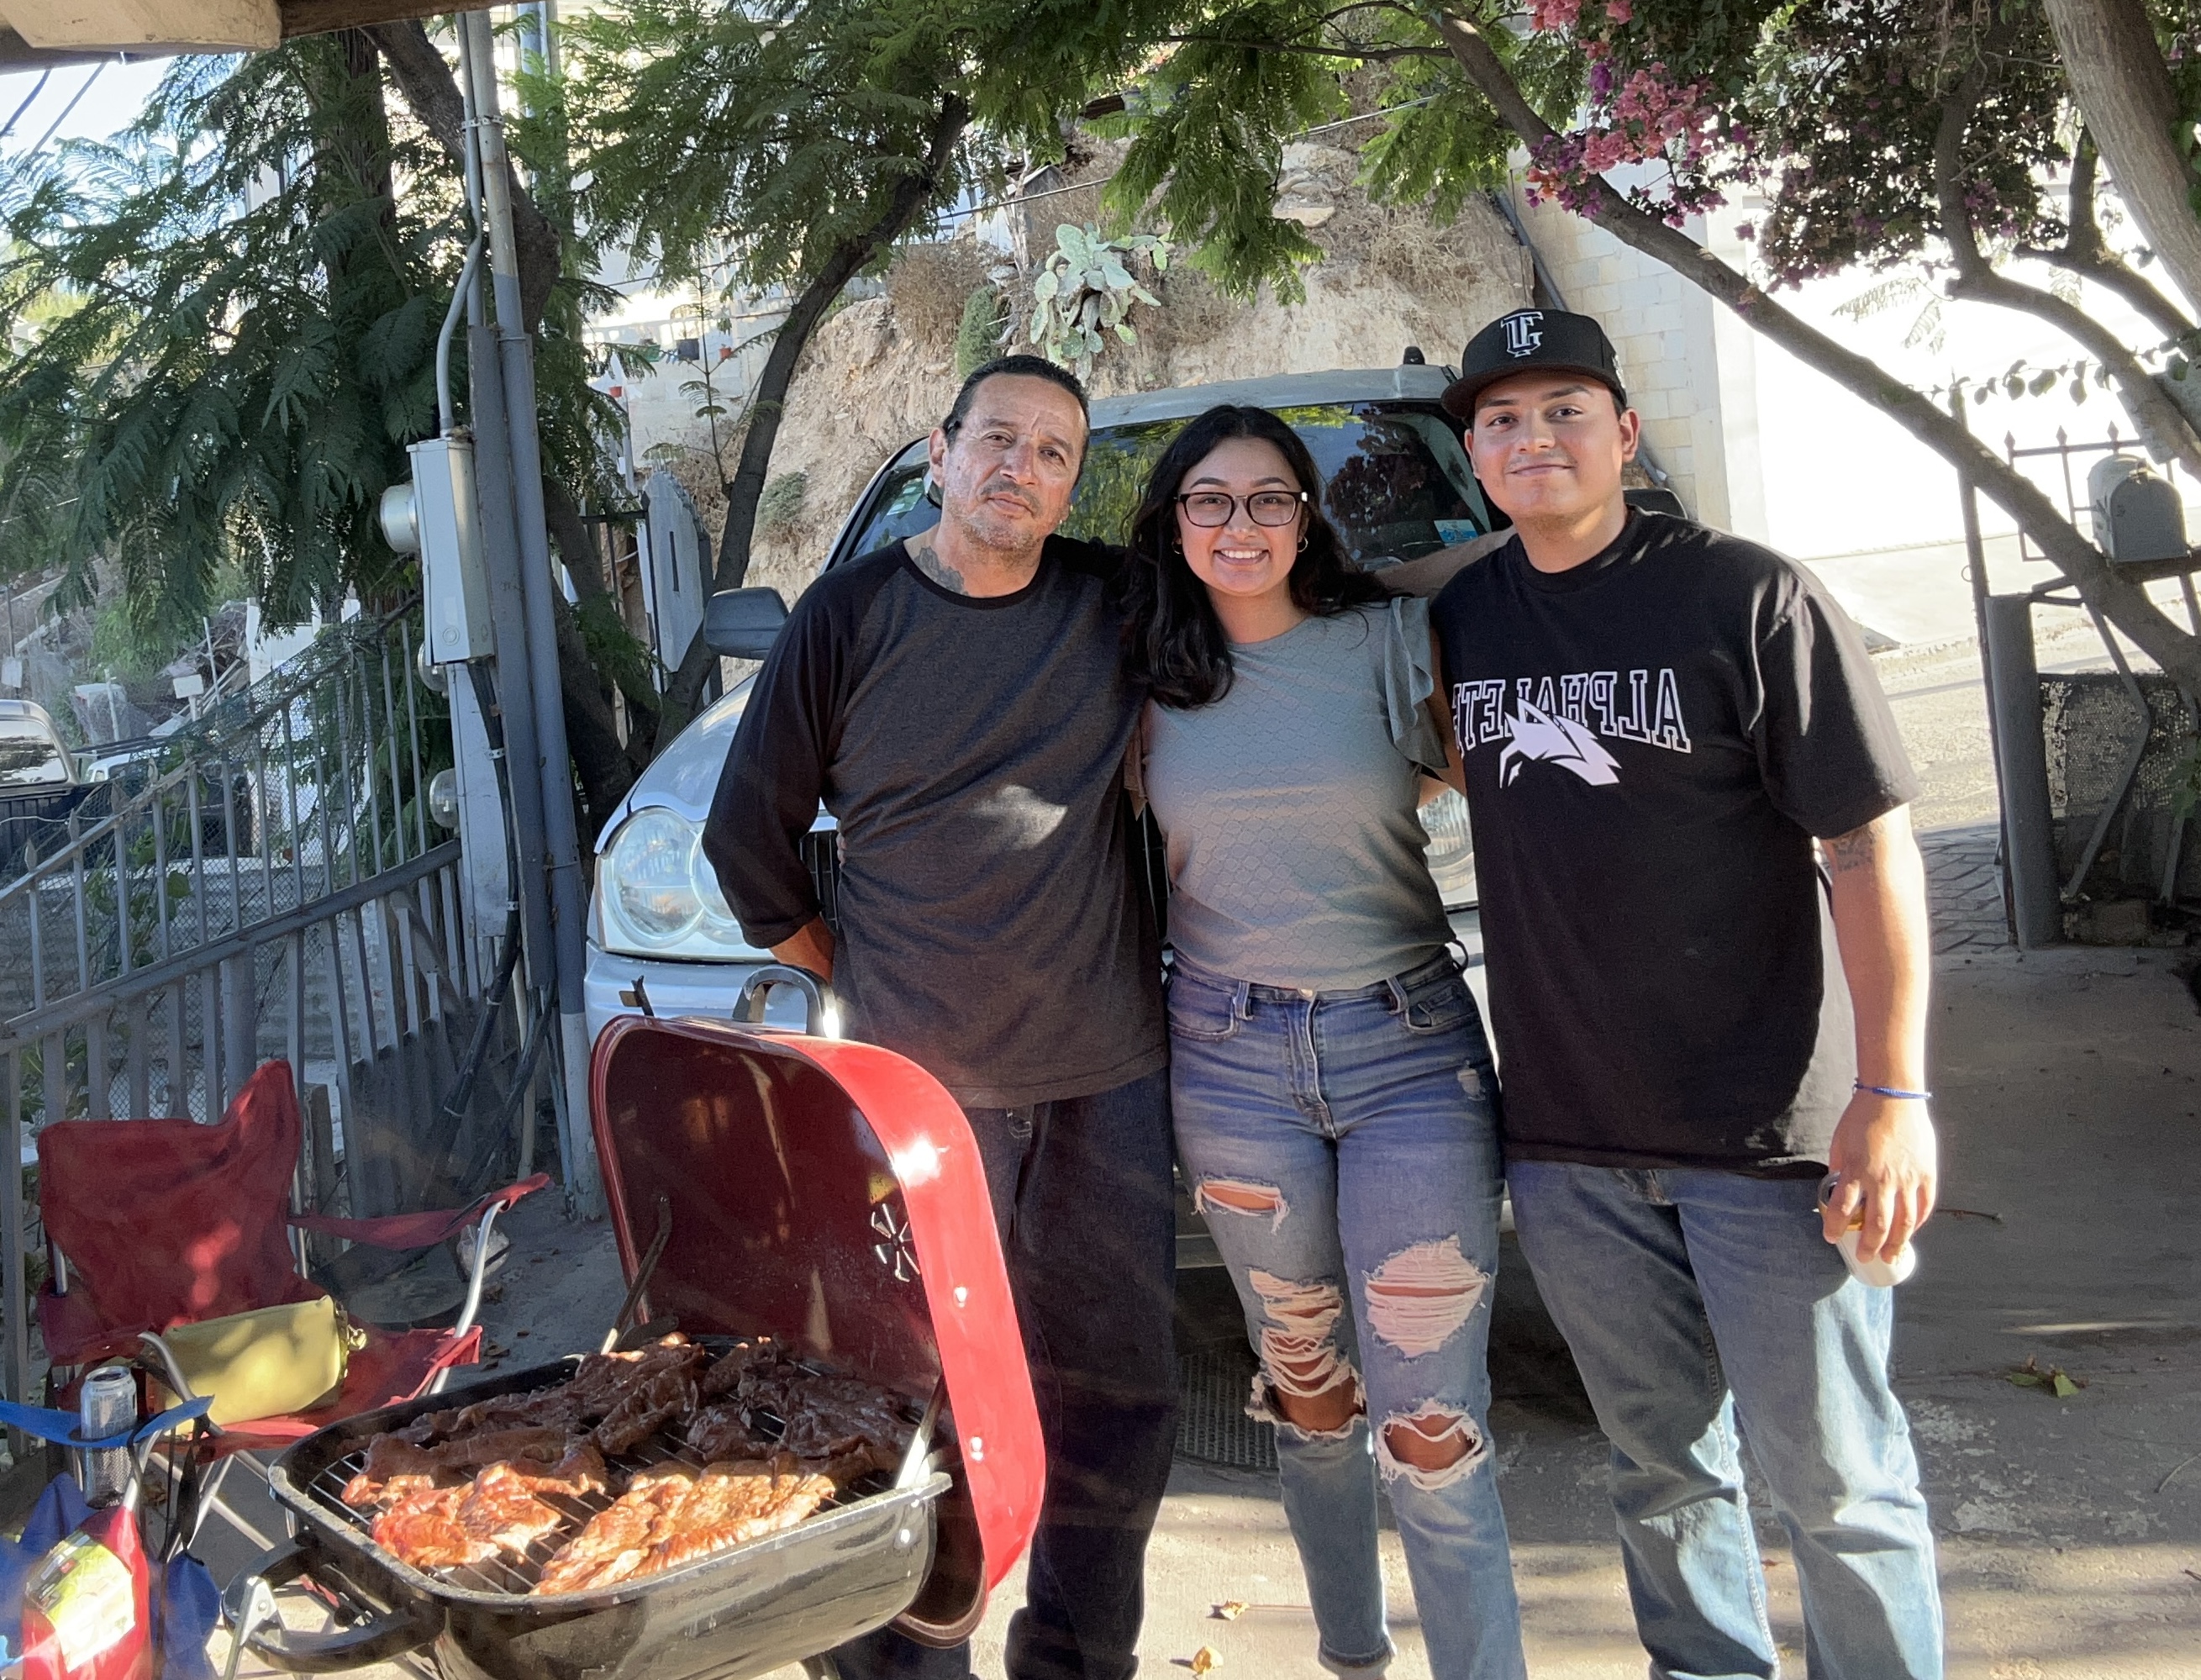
<point>743,623</point>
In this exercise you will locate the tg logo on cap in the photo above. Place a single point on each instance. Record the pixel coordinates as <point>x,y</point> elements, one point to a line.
<point>1520,330</point>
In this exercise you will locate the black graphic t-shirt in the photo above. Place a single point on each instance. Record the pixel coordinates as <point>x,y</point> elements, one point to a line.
<point>1652,740</point>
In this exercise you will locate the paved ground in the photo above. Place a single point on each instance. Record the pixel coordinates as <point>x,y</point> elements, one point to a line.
<point>2071,1531</point>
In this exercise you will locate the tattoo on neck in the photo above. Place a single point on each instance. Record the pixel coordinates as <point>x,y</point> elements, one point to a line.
<point>940,570</point>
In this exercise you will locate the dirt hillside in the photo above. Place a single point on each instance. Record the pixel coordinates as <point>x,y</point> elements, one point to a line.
<point>881,371</point>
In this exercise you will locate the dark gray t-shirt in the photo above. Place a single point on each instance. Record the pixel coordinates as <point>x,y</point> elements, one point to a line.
<point>972,751</point>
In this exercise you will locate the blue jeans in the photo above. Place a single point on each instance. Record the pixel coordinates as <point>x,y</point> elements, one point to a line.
<point>1087,1219</point>
<point>1344,1148</point>
<point>1696,1301</point>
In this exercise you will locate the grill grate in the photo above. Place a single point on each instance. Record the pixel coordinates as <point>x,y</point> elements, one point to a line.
<point>518,1576</point>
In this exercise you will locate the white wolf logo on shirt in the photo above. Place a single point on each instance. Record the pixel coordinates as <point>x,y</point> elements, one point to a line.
<point>1532,734</point>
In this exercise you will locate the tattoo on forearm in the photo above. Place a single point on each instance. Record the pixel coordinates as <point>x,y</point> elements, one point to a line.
<point>940,570</point>
<point>1858,849</point>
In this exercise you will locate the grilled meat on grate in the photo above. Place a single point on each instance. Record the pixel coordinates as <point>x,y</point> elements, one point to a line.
<point>670,1517</point>
<point>723,1432</point>
<point>615,1541</point>
<point>732,1503</point>
<point>646,1408</point>
<point>501,1510</point>
<point>727,1372</point>
<point>457,1487</point>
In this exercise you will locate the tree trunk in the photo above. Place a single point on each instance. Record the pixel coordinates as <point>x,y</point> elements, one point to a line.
<point>768,404</point>
<point>2097,580</point>
<point>2116,73</point>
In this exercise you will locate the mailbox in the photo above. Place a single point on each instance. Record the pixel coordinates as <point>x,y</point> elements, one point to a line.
<point>2137,516</point>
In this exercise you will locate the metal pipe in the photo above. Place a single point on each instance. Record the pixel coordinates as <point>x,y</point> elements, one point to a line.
<point>2021,769</point>
<point>1975,572</point>
<point>2173,846</point>
<point>507,718</point>
<point>446,411</point>
<point>516,348</point>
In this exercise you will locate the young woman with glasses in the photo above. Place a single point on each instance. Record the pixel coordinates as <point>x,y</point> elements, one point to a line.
<point>1333,1088</point>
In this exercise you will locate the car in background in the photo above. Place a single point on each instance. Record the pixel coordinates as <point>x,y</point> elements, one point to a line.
<point>1397,486</point>
<point>39,784</point>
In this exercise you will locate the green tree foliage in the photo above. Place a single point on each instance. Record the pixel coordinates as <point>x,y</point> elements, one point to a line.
<point>242,346</point>
<point>225,324</point>
<point>1878,132</point>
<point>787,146</point>
<point>781,146</point>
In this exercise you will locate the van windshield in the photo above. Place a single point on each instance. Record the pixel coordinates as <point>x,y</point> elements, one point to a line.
<point>1396,482</point>
<point>29,757</point>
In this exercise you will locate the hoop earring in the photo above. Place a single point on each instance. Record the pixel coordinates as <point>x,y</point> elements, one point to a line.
<point>1302,548</point>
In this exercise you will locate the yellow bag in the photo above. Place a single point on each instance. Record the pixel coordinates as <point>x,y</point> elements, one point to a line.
<point>261,1364</point>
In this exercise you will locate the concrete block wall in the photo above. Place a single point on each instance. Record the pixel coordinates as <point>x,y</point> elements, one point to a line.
<point>1689,368</point>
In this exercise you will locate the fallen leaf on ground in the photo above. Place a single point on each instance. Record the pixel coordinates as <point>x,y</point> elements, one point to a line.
<point>2055,1380</point>
<point>1204,1659</point>
<point>1229,1610</point>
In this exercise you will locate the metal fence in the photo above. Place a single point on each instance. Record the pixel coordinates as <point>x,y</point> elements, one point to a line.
<point>277,889</point>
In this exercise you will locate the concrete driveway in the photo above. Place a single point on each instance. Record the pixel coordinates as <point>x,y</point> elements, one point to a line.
<point>2070,1529</point>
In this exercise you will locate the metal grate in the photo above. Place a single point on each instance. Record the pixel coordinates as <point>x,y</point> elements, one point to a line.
<point>518,1576</point>
<point>1211,1425</point>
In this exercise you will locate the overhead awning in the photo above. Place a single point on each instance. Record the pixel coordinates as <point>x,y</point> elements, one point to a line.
<point>37,34</point>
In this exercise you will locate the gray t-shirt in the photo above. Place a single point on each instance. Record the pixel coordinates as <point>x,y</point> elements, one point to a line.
<point>972,749</point>
<point>1296,851</point>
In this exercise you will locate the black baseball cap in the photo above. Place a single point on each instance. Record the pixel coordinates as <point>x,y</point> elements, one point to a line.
<point>1533,340</point>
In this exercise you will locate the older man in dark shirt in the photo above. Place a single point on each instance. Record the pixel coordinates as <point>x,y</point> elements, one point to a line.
<point>957,701</point>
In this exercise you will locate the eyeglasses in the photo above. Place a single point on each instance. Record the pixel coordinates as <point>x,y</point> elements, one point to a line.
<point>1209,508</point>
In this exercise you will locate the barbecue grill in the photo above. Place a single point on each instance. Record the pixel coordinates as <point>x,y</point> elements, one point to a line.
<point>825,1194</point>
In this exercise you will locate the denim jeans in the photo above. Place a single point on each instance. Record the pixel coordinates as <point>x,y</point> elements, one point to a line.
<point>1083,1202</point>
<point>1696,1301</point>
<point>1344,1148</point>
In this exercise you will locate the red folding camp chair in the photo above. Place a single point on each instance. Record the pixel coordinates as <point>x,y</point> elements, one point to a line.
<point>155,1224</point>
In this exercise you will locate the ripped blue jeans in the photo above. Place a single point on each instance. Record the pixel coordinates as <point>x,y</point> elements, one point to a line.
<point>1343,1147</point>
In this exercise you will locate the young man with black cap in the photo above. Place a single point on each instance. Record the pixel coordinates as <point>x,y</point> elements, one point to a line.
<point>1701,1012</point>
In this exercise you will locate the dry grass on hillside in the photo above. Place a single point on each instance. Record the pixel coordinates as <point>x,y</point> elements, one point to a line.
<point>928,284</point>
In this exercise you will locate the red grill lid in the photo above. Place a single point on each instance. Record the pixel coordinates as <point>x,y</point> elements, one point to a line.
<point>830,1195</point>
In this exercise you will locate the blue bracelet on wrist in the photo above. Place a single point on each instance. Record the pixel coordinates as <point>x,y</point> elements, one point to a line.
<point>1890,1091</point>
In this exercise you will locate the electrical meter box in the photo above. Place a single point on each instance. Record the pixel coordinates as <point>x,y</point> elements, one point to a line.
<point>2138,520</point>
<point>437,517</point>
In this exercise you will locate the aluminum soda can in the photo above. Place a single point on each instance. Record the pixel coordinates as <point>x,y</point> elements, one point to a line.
<point>107,1405</point>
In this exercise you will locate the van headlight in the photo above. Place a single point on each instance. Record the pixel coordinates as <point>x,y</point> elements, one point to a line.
<point>658,895</point>
<point>1452,848</point>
